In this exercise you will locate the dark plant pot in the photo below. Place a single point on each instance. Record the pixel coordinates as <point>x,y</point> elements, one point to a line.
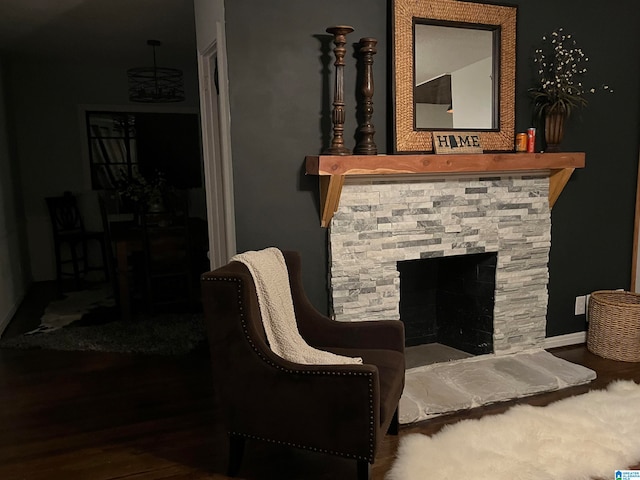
<point>554,124</point>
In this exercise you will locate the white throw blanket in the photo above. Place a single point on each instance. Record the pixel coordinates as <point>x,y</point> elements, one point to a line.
<point>271,278</point>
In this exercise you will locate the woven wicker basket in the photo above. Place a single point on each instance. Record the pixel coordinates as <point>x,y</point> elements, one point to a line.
<point>614,325</point>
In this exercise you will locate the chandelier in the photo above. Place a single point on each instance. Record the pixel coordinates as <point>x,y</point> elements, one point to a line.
<point>155,84</point>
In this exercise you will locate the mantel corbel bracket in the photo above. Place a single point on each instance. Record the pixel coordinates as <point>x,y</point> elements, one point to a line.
<point>330,191</point>
<point>558,179</point>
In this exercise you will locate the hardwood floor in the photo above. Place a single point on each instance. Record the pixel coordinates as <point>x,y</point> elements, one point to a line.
<point>101,416</point>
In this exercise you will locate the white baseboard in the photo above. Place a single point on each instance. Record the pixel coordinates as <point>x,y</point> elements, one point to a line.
<point>565,340</point>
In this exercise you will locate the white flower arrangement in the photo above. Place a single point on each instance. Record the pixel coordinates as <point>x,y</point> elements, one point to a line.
<point>143,190</point>
<point>561,69</point>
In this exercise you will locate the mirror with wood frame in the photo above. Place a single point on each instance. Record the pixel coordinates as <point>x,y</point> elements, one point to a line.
<point>454,69</point>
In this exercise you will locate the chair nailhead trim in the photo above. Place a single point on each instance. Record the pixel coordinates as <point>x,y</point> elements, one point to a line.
<point>370,456</point>
<point>302,446</point>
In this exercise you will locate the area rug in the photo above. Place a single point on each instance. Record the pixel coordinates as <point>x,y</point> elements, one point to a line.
<point>581,437</point>
<point>446,387</point>
<point>73,306</point>
<point>165,334</point>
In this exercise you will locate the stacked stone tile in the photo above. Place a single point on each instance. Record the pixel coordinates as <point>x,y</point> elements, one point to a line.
<point>380,222</point>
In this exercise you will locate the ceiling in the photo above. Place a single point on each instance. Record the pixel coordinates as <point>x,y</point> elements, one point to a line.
<point>98,30</point>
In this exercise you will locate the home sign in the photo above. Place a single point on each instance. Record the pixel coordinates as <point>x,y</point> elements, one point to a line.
<point>456,142</point>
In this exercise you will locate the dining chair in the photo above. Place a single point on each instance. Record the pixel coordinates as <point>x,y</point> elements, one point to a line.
<point>71,240</point>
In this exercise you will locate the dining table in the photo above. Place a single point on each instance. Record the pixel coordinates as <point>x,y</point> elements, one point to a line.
<point>127,237</point>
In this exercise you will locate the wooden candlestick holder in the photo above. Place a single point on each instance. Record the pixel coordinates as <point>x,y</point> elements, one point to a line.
<point>366,131</point>
<point>337,147</point>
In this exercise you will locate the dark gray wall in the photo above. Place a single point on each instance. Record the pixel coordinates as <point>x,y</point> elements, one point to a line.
<point>281,93</point>
<point>592,223</point>
<point>13,261</point>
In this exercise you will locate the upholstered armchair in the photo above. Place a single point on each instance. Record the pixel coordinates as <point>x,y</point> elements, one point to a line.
<point>343,410</point>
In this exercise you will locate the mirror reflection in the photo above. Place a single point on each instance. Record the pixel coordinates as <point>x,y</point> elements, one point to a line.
<point>455,77</point>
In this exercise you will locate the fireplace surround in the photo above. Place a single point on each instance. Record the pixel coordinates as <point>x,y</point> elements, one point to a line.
<point>384,220</point>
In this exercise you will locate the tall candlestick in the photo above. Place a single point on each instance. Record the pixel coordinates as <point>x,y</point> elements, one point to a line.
<point>338,116</point>
<point>366,145</point>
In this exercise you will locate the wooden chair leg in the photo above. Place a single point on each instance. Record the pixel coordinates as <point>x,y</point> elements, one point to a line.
<point>394,426</point>
<point>105,260</point>
<point>75,260</point>
<point>58,263</point>
<point>364,470</point>
<point>236,450</point>
<point>85,258</point>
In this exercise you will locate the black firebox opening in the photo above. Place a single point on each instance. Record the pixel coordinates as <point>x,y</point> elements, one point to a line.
<point>449,300</point>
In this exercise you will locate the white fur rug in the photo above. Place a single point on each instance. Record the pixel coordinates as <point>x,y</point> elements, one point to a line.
<point>446,387</point>
<point>581,437</point>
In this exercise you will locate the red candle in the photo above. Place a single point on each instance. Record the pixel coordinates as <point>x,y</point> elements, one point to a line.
<point>531,140</point>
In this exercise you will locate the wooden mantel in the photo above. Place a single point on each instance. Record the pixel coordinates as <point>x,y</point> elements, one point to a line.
<point>332,169</point>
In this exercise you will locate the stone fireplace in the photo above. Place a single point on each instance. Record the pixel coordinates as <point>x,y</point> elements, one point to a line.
<point>383,220</point>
